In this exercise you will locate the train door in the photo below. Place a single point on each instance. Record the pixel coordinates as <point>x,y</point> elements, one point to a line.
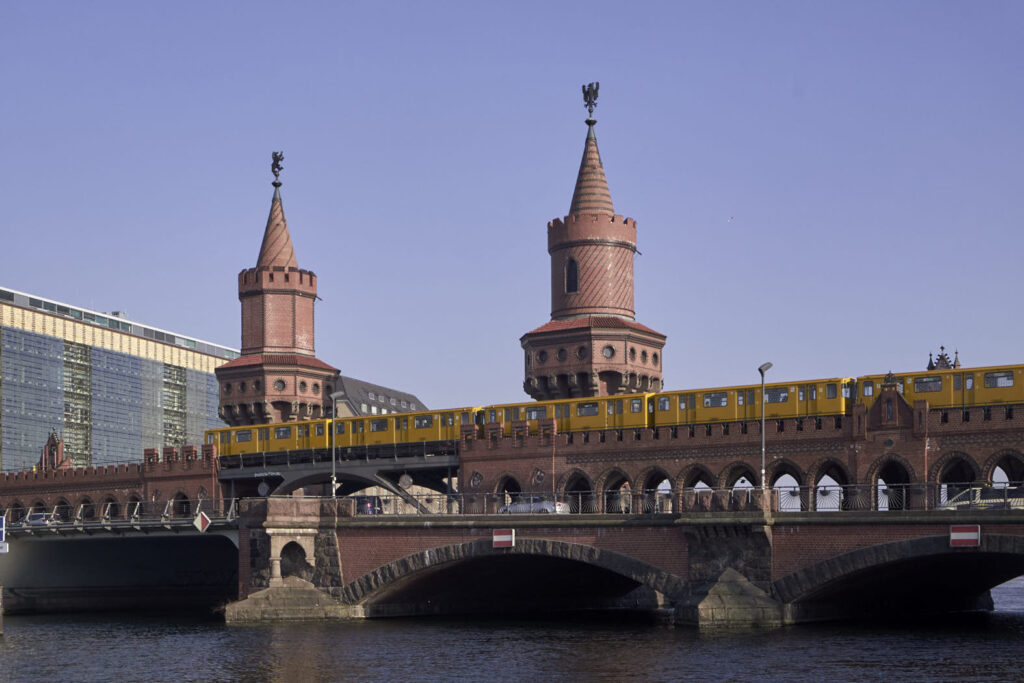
<point>302,436</point>
<point>963,388</point>
<point>358,432</point>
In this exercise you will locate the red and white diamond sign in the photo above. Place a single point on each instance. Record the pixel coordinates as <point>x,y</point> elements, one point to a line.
<point>964,535</point>
<point>503,538</point>
<point>201,522</point>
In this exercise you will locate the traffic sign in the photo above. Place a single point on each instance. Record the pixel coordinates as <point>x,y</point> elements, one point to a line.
<point>201,522</point>
<point>503,538</point>
<point>964,535</point>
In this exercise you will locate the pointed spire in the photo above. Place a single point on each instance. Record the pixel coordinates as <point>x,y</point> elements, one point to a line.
<point>931,363</point>
<point>956,359</point>
<point>276,249</point>
<point>591,195</point>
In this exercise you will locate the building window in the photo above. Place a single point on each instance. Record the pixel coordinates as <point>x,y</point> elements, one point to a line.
<point>227,387</point>
<point>608,351</point>
<point>572,277</point>
<point>654,359</point>
<point>279,385</point>
<point>562,354</point>
<point>581,352</point>
<point>632,354</point>
<point>302,387</point>
<point>316,388</point>
<point>373,396</point>
<point>643,356</point>
<point>542,356</point>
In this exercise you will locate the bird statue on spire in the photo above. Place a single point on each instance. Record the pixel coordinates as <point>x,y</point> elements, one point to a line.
<point>276,167</point>
<point>590,97</point>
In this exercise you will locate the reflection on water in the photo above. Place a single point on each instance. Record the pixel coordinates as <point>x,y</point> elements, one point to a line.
<point>975,647</point>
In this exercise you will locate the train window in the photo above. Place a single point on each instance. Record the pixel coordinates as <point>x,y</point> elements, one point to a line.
<point>508,414</point>
<point>927,384</point>
<point>611,407</point>
<point>378,425</point>
<point>282,432</point>
<point>243,435</point>
<point>465,418</point>
<point>536,413</point>
<point>263,433</point>
<point>449,419</point>
<point>303,430</point>
<point>830,390</point>
<point>899,386</point>
<point>515,413</point>
<point>339,427</point>
<point>225,437</point>
<point>958,382</point>
<point>869,388</point>
<point>996,380</point>
<point>814,392</point>
<point>319,429</point>
<point>970,382</point>
<point>586,409</point>
<point>663,403</point>
<point>776,394</point>
<point>422,421</point>
<point>800,395</point>
<point>739,398</point>
<point>211,438</point>
<point>718,399</point>
<point>492,415</point>
<point>750,398</point>
<point>682,403</point>
<point>636,405</point>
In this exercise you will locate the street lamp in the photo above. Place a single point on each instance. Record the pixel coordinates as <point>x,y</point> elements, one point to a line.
<point>334,437</point>
<point>764,489</point>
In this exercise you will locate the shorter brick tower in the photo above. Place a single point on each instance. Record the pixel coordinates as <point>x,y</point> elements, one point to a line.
<point>593,346</point>
<point>278,377</point>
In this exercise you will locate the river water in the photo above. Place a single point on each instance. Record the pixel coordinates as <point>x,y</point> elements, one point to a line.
<point>976,647</point>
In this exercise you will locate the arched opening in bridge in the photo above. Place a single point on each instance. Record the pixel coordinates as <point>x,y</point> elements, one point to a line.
<point>742,495</point>
<point>618,494</point>
<point>293,562</point>
<point>62,510</point>
<point>656,493</point>
<point>832,491</point>
<point>957,475</point>
<point>111,509</point>
<point>16,511</point>
<point>1011,466</point>
<point>508,491</point>
<point>86,509</point>
<point>893,487</point>
<point>39,506</point>
<point>698,487</point>
<point>181,506</point>
<point>788,494</point>
<point>579,494</point>
<point>134,506</point>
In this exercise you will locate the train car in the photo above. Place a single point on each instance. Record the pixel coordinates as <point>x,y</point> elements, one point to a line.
<point>574,414</point>
<point>951,388</point>
<point>820,397</point>
<point>432,425</point>
<point>289,436</point>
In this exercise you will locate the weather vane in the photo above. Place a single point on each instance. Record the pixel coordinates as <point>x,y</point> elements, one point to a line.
<point>590,97</point>
<point>276,167</point>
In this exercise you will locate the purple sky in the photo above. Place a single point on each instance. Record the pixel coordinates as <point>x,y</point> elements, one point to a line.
<point>834,187</point>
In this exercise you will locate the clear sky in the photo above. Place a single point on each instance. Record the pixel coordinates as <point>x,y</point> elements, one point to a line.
<point>834,187</point>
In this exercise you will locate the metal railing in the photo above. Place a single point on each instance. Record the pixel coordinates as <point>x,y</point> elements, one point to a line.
<point>831,498</point>
<point>177,512</point>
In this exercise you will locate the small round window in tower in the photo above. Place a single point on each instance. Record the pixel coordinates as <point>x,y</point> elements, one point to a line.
<point>562,354</point>
<point>241,387</point>
<point>316,388</point>
<point>581,352</point>
<point>279,385</point>
<point>654,359</point>
<point>227,387</point>
<point>608,351</point>
<point>302,387</point>
<point>632,354</point>
<point>542,356</point>
<point>643,356</point>
<point>256,385</point>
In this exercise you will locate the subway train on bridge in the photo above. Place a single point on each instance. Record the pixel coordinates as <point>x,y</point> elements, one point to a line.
<point>822,398</point>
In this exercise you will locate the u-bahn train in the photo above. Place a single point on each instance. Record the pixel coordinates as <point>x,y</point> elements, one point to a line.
<point>835,396</point>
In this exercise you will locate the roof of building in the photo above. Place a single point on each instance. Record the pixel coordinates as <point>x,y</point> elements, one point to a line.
<point>593,322</point>
<point>591,194</point>
<point>276,249</point>
<point>278,359</point>
<point>359,394</point>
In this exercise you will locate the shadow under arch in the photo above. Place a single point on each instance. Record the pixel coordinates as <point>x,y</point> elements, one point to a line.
<point>432,581</point>
<point>915,576</point>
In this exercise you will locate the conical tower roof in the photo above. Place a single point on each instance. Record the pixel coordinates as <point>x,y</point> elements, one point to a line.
<point>276,249</point>
<point>591,195</point>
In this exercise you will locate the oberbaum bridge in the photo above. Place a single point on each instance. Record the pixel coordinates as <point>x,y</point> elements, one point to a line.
<point>676,522</point>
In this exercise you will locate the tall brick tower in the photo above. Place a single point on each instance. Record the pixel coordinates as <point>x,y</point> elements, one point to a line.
<point>593,345</point>
<point>278,377</point>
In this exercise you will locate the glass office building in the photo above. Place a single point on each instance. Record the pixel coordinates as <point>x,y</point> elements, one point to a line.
<point>109,386</point>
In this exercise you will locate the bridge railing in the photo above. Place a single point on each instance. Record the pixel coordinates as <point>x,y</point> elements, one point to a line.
<point>173,512</point>
<point>834,498</point>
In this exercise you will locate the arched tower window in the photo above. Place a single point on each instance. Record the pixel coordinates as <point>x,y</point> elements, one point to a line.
<point>572,277</point>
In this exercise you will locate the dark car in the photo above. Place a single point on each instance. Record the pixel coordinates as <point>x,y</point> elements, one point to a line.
<point>368,505</point>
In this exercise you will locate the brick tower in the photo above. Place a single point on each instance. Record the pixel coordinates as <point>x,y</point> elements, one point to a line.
<point>592,346</point>
<point>278,377</point>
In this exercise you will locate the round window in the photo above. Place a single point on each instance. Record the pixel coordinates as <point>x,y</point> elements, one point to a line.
<point>241,387</point>
<point>608,351</point>
<point>581,352</point>
<point>256,385</point>
<point>542,356</point>
<point>316,388</point>
<point>302,387</point>
<point>279,385</point>
<point>227,387</point>
<point>654,359</point>
<point>632,354</point>
<point>643,356</point>
<point>562,354</point>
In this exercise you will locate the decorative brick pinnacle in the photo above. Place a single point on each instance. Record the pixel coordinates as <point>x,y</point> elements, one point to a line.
<point>277,249</point>
<point>591,195</point>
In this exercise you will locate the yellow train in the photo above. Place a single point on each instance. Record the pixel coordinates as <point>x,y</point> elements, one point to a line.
<point>962,387</point>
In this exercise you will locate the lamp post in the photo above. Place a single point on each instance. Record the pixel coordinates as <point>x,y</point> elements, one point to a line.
<point>334,437</point>
<point>764,488</point>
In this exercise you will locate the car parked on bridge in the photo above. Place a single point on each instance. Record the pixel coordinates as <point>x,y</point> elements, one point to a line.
<point>535,505</point>
<point>987,498</point>
<point>38,519</point>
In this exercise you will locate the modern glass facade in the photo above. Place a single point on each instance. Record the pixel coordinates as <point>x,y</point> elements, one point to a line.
<point>108,393</point>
